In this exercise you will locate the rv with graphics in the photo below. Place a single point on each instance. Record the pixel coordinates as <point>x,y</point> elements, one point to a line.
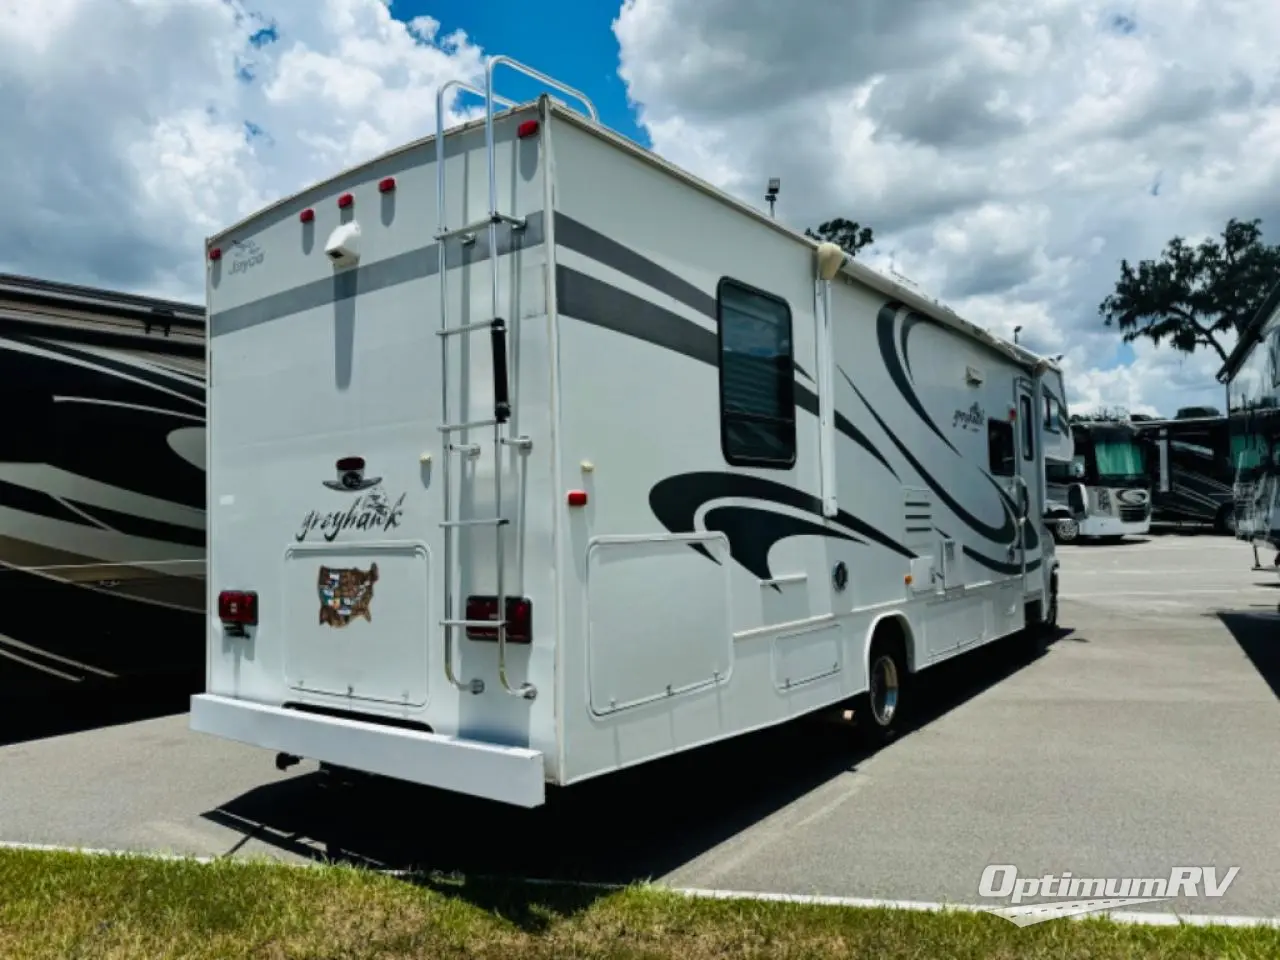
<point>608,466</point>
<point>1252,376</point>
<point>1190,468</point>
<point>1103,491</point>
<point>102,493</point>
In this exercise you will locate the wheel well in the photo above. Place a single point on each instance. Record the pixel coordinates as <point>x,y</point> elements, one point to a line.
<point>893,629</point>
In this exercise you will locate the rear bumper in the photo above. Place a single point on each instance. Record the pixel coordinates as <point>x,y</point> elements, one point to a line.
<point>513,775</point>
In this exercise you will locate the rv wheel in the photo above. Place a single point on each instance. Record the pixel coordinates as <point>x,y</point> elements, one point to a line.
<point>878,712</point>
<point>1040,631</point>
<point>1066,530</point>
<point>1050,621</point>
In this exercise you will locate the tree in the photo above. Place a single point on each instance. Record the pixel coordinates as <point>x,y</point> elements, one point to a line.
<point>1193,295</point>
<point>848,235</point>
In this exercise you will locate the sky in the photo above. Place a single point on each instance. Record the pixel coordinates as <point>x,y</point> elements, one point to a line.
<point>1007,153</point>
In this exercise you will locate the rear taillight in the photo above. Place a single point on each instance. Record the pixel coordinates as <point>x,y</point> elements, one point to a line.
<point>519,618</point>
<point>238,607</point>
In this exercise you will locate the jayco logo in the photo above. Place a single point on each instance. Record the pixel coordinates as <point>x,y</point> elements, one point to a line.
<point>370,511</point>
<point>247,256</point>
<point>971,419</point>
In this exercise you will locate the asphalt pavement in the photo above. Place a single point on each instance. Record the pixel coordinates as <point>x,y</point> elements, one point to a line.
<point>1144,739</point>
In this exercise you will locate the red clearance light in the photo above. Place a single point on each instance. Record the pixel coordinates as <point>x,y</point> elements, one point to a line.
<point>577,498</point>
<point>215,253</point>
<point>519,618</point>
<point>238,607</point>
<point>386,185</point>
<point>527,129</point>
<point>307,215</point>
<point>345,201</point>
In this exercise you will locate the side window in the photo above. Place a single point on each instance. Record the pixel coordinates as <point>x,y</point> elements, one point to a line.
<point>1051,414</point>
<point>757,378</point>
<point>1000,447</point>
<point>1028,429</point>
<point>1057,472</point>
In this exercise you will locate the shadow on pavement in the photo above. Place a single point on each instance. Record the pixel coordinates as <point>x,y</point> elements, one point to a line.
<point>627,826</point>
<point>33,713</point>
<point>1258,635</point>
<point>76,659</point>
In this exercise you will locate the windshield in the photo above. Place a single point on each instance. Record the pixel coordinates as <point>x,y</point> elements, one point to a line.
<point>1120,460</point>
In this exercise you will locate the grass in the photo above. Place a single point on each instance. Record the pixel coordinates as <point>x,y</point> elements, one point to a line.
<point>65,905</point>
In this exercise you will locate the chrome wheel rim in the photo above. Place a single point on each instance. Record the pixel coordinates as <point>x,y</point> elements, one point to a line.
<point>885,686</point>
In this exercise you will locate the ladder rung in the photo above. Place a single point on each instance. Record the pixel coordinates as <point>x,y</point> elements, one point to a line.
<point>454,427</point>
<point>517,222</point>
<point>465,328</point>
<point>482,522</point>
<point>473,623</point>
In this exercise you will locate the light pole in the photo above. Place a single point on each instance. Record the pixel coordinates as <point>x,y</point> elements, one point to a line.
<point>1016,331</point>
<point>775,184</point>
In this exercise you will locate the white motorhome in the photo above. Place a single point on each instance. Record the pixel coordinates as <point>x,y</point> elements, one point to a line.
<point>533,457</point>
<point>1104,491</point>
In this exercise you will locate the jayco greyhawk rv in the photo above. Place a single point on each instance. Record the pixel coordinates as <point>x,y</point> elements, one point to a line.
<point>1103,491</point>
<point>609,467</point>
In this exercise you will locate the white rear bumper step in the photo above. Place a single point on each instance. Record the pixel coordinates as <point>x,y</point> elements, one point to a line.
<point>513,775</point>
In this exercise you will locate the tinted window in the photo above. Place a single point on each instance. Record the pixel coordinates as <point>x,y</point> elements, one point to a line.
<point>1000,447</point>
<point>1057,472</point>
<point>757,382</point>
<point>1052,413</point>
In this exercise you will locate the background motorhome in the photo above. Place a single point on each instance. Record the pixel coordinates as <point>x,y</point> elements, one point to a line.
<point>1104,491</point>
<point>102,492</point>
<point>1191,468</point>
<point>712,475</point>
<point>1252,376</point>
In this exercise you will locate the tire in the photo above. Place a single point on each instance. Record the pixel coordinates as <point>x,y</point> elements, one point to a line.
<point>878,712</point>
<point>1050,622</point>
<point>1066,530</point>
<point>1047,626</point>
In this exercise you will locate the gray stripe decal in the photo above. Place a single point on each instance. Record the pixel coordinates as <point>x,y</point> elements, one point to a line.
<point>590,243</point>
<point>603,305</point>
<point>411,265</point>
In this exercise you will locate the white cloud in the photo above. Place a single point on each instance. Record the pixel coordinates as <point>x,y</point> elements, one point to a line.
<point>135,128</point>
<point>1008,153</point>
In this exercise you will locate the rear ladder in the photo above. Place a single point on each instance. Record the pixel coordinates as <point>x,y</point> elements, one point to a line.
<point>454,434</point>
